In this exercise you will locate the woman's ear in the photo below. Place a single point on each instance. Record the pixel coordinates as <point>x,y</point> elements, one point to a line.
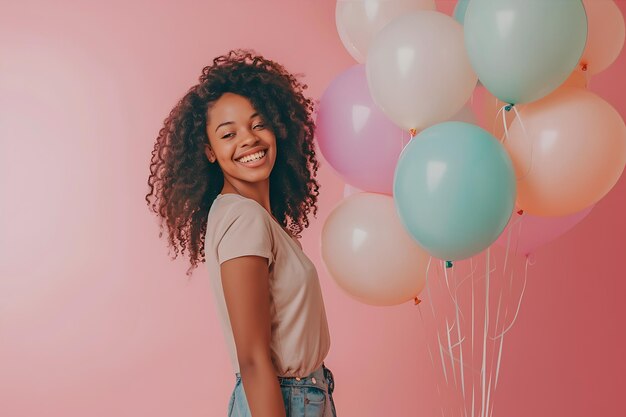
<point>209,153</point>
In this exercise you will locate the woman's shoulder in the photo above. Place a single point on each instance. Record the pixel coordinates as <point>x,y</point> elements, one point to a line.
<point>236,203</point>
<point>227,208</point>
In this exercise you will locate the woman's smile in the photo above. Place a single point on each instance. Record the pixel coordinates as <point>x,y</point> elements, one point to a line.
<point>254,160</point>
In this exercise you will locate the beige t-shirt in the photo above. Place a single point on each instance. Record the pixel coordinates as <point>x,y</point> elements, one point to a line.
<point>239,226</point>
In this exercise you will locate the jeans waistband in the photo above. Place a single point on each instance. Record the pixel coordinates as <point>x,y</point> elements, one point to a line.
<point>321,377</point>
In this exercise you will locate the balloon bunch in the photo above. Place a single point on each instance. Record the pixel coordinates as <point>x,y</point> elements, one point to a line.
<point>426,177</point>
<point>399,123</point>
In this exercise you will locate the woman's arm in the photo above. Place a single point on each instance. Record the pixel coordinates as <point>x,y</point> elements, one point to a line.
<point>246,290</point>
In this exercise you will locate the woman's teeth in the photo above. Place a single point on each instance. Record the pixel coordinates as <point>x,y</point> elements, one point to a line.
<point>253,157</point>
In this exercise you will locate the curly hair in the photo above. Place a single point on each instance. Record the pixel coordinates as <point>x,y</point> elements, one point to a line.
<point>183,183</point>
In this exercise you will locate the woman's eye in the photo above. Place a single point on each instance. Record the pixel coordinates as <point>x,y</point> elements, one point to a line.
<point>260,125</point>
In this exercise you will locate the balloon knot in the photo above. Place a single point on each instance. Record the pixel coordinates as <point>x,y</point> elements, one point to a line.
<point>449,264</point>
<point>584,67</point>
<point>520,212</point>
<point>509,106</point>
<point>417,301</point>
<point>412,132</point>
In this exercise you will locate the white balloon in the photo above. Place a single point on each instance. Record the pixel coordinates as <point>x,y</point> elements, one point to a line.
<point>358,21</point>
<point>418,71</point>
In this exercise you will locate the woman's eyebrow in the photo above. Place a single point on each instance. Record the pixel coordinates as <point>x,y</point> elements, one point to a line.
<point>230,123</point>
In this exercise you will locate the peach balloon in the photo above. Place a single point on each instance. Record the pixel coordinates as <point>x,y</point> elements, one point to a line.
<point>487,106</point>
<point>577,78</point>
<point>568,150</point>
<point>605,35</point>
<point>369,254</point>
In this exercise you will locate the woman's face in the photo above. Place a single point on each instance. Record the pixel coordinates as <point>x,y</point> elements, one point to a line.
<point>242,143</point>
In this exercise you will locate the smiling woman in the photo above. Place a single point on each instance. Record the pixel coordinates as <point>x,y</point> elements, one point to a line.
<point>242,104</point>
<point>233,175</point>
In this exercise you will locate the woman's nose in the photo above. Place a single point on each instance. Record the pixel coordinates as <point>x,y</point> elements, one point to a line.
<point>250,136</point>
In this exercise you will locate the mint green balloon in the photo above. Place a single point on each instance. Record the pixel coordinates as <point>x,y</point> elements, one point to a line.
<point>459,11</point>
<point>522,50</point>
<point>454,189</point>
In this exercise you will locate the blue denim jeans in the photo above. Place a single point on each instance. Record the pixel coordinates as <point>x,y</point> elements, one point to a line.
<point>310,396</point>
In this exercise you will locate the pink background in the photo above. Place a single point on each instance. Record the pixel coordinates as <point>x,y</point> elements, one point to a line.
<point>96,320</point>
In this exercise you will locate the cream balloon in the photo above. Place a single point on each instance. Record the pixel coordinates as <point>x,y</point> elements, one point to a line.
<point>465,115</point>
<point>369,254</point>
<point>568,150</point>
<point>605,35</point>
<point>418,71</point>
<point>359,21</point>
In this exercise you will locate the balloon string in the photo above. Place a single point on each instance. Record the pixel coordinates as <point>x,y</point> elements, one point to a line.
<point>445,273</point>
<point>428,286</point>
<point>493,348</point>
<point>430,353</point>
<point>521,226</point>
<point>493,126</point>
<point>443,363</point>
<point>461,357</point>
<point>473,397</point>
<point>486,328</point>
<point>497,370</point>
<point>519,303</point>
<point>527,139</point>
<point>461,339</point>
<point>503,333</point>
<point>451,355</point>
<point>508,238</point>
<point>506,128</point>
<point>472,275</point>
<point>452,297</point>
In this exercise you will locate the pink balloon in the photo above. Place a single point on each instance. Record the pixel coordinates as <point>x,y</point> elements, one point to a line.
<point>359,142</point>
<point>605,34</point>
<point>367,251</point>
<point>528,232</point>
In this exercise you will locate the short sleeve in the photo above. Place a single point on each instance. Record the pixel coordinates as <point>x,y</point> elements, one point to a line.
<point>246,232</point>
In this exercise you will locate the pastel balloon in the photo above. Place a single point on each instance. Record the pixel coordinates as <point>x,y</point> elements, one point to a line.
<point>605,37</point>
<point>454,189</point>
<point>568,150</point>
<point>577,78</point>
<point>348,190</point>
<point>524,49</point>
<point>356,138</point>
<point>459,11</point>
<point>360,20</point>
<point>488,108</point>
<point>526,233</point>
<point>466,114</point>
<point>369,254</point>
<point>418,71</point>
